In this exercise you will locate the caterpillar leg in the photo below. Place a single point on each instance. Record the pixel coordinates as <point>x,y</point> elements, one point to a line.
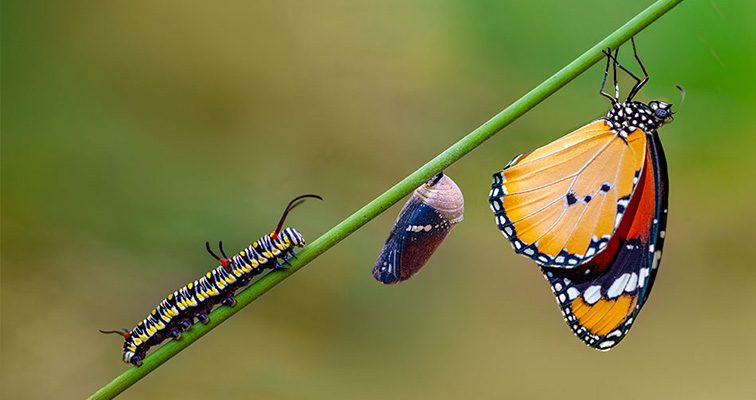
<point>202,317</point>
<point>229,301</point>
<point>286,259</point>
<point>136,360</point>
<point>185,324</point>
<point>281,266</point>
<point>175,333</point>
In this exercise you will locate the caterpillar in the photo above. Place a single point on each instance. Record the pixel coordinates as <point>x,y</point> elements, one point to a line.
<point>429,215</point>
<point>177,312</point>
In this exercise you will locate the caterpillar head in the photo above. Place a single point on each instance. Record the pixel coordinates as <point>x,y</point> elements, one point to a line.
<point>294,237</point>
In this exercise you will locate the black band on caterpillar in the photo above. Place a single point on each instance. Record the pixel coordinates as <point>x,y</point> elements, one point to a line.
<point>176,313</point>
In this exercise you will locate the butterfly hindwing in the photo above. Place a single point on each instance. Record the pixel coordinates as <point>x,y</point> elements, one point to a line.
<point>561,203</point>
<point>659,230</point>
<point>601,298</point>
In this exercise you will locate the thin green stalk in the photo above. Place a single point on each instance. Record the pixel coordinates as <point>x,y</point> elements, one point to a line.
<point>393,195</point>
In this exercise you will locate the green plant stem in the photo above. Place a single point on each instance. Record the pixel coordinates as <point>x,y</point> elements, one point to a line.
<point>391,196</point>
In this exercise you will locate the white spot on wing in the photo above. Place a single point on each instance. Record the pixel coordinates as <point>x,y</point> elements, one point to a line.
<point>642,277</point>
<point>618,286</point>
<point>592,294</point>
<point>657,257</point>
<point>615,333</point>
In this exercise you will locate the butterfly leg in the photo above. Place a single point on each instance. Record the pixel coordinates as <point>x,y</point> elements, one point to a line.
<point>638,83</point>
<point>614,74</point>
<point>606,73</point>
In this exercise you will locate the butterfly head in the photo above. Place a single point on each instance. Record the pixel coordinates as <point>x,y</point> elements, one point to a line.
<point>661,111</point>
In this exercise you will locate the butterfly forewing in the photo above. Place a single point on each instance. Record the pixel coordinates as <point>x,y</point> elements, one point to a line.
<point>561,203</point>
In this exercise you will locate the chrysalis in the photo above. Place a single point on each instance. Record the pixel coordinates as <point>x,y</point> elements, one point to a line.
<point>428,216</point>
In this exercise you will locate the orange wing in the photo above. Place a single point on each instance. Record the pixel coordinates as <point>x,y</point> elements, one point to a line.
<point>561,203</point>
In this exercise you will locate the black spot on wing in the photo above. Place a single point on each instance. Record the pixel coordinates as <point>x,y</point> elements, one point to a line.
<point>571,199</point>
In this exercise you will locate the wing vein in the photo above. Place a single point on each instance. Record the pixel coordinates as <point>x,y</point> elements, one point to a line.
<point>575,176</point>
<point>526,162</point>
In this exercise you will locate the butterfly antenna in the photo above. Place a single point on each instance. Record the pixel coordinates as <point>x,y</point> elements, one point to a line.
<point>682,95</point>
<point>293,203</point>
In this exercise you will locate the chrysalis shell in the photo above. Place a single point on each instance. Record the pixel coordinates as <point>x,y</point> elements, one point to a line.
<point>428,216</point>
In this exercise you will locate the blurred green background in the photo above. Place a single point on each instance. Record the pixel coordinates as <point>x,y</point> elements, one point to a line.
<point>133,131</point>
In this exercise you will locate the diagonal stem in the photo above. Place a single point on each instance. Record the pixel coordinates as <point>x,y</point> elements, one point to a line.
<point>393,195</point>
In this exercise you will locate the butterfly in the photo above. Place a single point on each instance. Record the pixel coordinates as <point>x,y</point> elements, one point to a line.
<point>590,208</point>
